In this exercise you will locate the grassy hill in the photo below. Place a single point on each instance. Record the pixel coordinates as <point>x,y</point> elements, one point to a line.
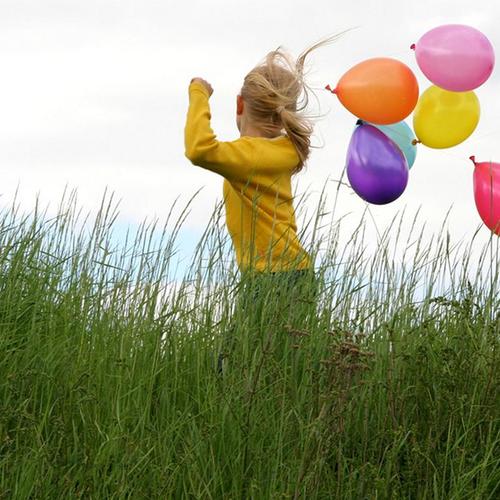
<point>386,387</point>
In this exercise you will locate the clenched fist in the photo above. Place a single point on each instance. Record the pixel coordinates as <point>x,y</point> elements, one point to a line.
<point>204,83</point>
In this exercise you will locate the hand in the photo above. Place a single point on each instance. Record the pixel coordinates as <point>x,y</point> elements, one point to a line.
<point>205,84</point>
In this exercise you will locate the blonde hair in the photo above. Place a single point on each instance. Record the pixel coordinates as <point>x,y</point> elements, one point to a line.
<point>276,94</point>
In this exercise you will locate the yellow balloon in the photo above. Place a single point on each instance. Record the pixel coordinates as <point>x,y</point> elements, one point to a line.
<point>443,119</point>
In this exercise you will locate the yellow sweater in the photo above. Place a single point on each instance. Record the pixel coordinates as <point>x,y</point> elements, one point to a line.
<point>257,189</point>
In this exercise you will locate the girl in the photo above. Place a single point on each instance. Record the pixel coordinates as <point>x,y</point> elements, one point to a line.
<point>274,144</point>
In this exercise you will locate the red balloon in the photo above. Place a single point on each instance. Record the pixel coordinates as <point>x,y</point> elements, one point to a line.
<point>487,193</point>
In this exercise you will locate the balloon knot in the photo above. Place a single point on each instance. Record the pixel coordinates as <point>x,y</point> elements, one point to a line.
<point>334,91</point>
<point>473,159</point>
<point>412,46</point>
<point>415,142</point>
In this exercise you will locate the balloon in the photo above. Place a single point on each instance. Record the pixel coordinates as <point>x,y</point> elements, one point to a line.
<point>443,119</point>
<point>379,90</point>
<point>403,136</point>
<point>487,193</point>
<point>455,57</point>
<point>376,167</point>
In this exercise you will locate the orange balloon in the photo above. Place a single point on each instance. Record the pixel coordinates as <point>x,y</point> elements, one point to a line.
<point>379,90</point>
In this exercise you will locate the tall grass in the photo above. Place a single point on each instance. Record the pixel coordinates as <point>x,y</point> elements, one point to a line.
<point>387,387</point>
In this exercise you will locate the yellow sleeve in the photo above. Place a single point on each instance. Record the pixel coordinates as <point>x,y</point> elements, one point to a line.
<point>233,160</point>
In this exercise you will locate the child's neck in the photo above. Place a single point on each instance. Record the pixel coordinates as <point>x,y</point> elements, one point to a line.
<point>248,130</point>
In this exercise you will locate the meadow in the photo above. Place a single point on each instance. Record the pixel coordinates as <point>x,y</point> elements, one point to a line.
<point>386,387</point>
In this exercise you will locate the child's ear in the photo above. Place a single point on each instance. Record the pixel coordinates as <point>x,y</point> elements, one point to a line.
<point>239,105</point>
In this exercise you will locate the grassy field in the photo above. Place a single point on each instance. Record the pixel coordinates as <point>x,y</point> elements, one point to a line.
<point>388,387</point>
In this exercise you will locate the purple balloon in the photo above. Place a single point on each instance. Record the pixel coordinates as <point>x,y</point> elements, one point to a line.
<point>376,167</point>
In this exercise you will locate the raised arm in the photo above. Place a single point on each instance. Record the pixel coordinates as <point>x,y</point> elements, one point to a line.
<point>233,160</point>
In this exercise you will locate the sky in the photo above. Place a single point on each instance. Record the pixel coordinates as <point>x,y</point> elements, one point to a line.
<point>93,96</point>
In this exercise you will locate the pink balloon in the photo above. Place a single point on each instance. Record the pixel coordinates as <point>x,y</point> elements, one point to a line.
<point>487,193</point>
<point>455,57</point>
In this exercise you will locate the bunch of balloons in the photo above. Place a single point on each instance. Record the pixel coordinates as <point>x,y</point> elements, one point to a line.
<point>456,59</point>
<point>382,92</point>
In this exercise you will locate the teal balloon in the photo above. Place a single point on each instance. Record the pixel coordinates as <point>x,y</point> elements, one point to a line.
<point>403,136</point>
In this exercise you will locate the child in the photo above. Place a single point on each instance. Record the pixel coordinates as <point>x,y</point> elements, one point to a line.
<point>257,168</point>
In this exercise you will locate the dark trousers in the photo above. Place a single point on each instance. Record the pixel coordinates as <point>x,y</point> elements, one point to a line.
<point>270,301</point>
